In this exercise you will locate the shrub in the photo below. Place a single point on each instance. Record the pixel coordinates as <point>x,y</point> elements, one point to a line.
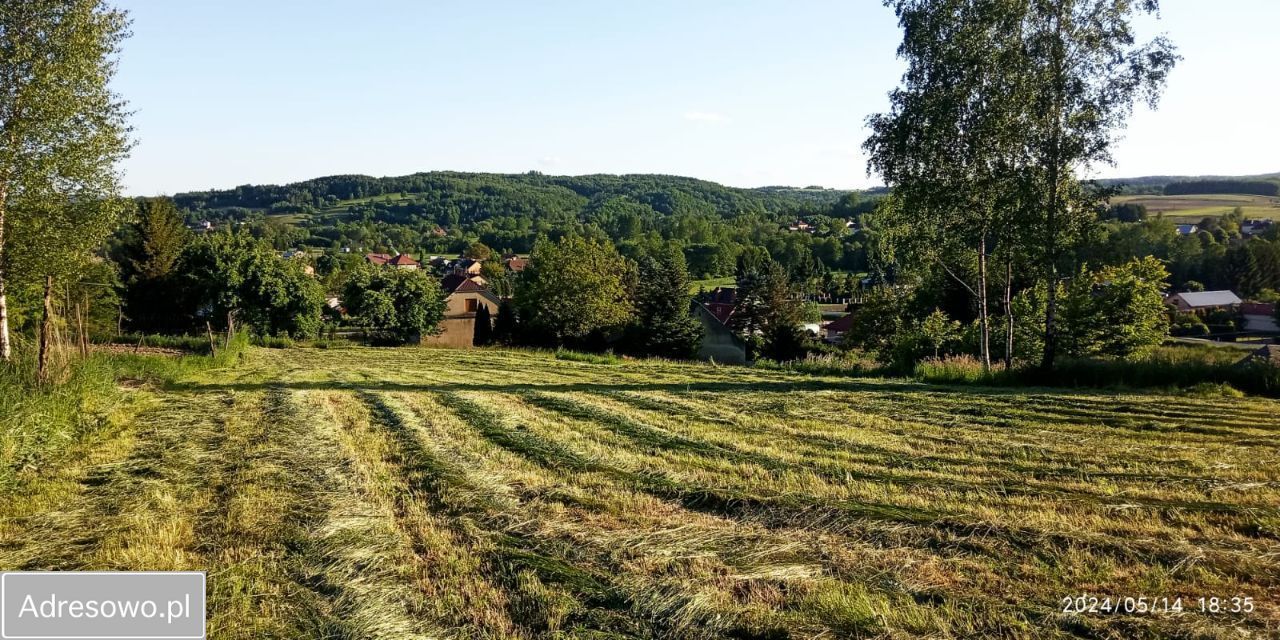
<point>592,358</point>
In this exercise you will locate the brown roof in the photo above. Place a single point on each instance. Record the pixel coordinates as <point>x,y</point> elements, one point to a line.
<point>720,310</point>
<point>458,283</point>
<point>378,258</point>
<point>517,264</point>
<point>402,260</point>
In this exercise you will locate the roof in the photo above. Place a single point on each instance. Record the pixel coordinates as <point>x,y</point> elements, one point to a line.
<point>378,258</point>
<point>1195,299</point>
<point>1258,308</point>
<point>720,310</point>
<point>841,324</point>
<point>458,283</point>
<point>517,264</point>
<point>1185,229</point>
<point>402,260</point>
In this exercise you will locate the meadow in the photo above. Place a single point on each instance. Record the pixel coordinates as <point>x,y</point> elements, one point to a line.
<point>353,492</point>
<point>1194,208</point>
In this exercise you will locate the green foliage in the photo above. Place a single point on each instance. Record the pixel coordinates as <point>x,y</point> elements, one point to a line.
<point>768,311</point>
<point>478,251</point>
<point>63,132</point>
<point>1116,311</point>
<point>147,254</point>
<point>400,306</point>
<point>590,358</point>
<point>483,335</point>
<point>233,275</point>
<point>662,325</point>
<point>573,288</point>
<point>937,331</point>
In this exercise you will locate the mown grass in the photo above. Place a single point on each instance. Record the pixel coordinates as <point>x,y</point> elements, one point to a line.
<point>352,492</point>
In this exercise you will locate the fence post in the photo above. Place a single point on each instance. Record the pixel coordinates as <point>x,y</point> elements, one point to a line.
<point>42,361</point>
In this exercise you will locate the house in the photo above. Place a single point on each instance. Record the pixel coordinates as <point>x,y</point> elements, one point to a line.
<point>1250,228</point>
<point>1204,300</point>
<point>515,264</point>
<point>834,331</point>
<point>721,302</point>
<point>1259,317</point>
<point>399,261</point>
<point>1186,229</point>
<point>719,342</point>
<point>467,266</point>
<point>403,261</point>
<point>463,298</point>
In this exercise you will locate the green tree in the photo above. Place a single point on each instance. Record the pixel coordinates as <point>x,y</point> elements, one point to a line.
<point>151,249</point>
<point>504,326</point>
<point>769,312</point>
<point>662,325</point>
<point>233,277</point>
<point>62,130</point>
<point>572,288</point>
<point>937,331</point>
<point>1081,73</point>
<point>400,306</point>
<point>483,334</point>
<point>478,251</point>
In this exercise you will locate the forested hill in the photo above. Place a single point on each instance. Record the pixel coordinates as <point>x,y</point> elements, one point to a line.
<point>1265,184</point>
<point>454,197</point>
<point>443,212</point>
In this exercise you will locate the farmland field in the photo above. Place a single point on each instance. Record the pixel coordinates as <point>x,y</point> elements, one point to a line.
<point>406,493</point>
<point>1194,208</point>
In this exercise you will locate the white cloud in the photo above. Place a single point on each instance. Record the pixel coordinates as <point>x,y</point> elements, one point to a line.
<point>705,116</point>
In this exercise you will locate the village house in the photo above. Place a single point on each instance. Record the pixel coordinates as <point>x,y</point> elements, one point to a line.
<point>1186,229</point>
<point>515,264</point>
<point>467,267</point>
<point>834,331</point>
<point>464,297</point>
<point>1250,228</point>
<point>1259,317</point>
<point>1204,300</point>
<point>719,342</point>
<point>399,261</point>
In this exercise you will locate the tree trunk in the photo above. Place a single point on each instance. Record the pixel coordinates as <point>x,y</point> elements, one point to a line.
<point>1051,221</point>
<point>983,311</point>
<point>42,361</point>
<point>1008,315</point>
<point>6,349</point>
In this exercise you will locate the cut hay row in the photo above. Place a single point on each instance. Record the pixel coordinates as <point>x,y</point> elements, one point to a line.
<point>422,493</point>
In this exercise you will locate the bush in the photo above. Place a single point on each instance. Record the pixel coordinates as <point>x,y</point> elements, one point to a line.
<point>592,358</point>
<point>962,369</point>
<point>845,363</point>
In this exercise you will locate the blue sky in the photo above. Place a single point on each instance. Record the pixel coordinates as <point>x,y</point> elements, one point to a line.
<point>747,93</point>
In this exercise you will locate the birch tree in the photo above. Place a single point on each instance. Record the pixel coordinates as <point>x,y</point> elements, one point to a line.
<point>62,131</point>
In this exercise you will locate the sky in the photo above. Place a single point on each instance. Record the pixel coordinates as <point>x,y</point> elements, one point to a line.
<point>742,92</point>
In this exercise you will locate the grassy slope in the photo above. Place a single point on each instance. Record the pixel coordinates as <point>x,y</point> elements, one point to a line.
<point>417,493</point>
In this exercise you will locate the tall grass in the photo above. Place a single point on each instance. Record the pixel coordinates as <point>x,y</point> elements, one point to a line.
<point>38,420</point>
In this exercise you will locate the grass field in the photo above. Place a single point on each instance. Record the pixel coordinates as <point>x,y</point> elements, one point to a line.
<point>414,493</point>
<point>1193,208</point>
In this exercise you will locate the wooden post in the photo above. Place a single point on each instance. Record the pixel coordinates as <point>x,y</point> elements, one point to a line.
<point>213,349</point>
<point>42,362</point>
